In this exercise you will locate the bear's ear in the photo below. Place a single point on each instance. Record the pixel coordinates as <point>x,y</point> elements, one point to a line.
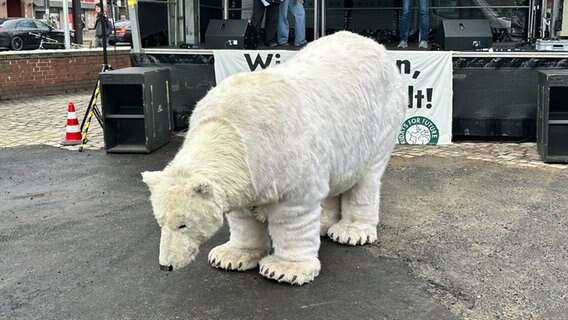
<point>152,178</point>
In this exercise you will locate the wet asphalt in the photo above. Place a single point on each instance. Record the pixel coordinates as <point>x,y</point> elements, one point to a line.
<point>458,239</point>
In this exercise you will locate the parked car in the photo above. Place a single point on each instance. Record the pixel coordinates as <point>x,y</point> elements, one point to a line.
<point>23,33</point>
<point>122,33</point>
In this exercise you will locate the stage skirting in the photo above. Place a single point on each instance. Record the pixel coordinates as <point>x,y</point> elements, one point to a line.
<point>451,94</point>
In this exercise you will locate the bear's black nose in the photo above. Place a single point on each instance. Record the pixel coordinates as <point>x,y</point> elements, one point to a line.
<point>167,268</point>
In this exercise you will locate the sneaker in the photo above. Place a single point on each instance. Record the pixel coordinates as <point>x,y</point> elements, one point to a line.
<point>285,44</point>
<point>272,45</point>
<point>402,44</point>
<point>301,44</point>
<point>423,44</point>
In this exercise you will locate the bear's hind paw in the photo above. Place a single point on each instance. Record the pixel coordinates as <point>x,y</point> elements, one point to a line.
<point>352,234</point>
<point>229,258</point>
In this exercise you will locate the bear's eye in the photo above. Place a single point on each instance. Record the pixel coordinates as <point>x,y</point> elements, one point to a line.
<point>182,226</point>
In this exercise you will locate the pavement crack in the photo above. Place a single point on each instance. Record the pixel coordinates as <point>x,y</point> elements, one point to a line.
<point>450,295</point>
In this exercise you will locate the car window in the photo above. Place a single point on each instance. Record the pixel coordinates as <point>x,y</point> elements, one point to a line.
<point>42,25</point>
<point>26,24</point>
<point>7,23</point>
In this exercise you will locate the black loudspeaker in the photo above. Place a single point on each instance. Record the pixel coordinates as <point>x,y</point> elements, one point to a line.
<point>230,34</point>
<point>552,110</point>
<point>464,34</point>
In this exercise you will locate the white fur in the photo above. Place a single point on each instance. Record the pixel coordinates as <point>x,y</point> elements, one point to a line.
<point>269,147</point>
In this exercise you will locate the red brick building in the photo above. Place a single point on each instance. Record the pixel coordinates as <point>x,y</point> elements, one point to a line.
<point>36,9</point>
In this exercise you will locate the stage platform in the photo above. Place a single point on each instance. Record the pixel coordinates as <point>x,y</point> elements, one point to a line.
<point>494,93</point>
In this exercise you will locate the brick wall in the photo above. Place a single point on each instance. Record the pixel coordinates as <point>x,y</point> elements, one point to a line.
<point>48,72</point>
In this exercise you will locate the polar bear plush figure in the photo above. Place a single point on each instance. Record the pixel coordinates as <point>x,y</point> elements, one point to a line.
<point>288,154</point>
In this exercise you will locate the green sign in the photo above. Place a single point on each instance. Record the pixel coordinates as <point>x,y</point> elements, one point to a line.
<point>418,130</point>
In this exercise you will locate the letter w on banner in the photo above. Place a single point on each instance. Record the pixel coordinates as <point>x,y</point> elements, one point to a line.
<point>428,76</point>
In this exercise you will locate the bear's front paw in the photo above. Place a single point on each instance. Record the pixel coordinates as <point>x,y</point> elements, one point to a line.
<point>229,258</point>
<point>352,234</point>
<point>297,273</point>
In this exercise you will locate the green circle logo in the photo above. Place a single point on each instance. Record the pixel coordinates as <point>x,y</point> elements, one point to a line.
<point>418,130</point>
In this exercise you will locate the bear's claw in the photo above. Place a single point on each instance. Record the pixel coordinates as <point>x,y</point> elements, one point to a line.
<point>353,234</point>
<point>229,258</point>
<point>296,273</point>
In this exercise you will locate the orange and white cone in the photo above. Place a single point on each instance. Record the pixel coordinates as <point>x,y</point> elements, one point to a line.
<point>73,132</point>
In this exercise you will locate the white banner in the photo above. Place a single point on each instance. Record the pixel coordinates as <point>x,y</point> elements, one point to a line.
<point>428,76</point>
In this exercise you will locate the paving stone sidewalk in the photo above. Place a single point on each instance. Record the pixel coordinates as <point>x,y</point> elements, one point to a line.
<point>42,120</point>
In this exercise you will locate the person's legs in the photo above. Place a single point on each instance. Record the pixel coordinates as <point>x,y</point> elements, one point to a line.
<point>271,23</point>
<point>405,19</point>
<point>424,20</point>
<point>257,15</point>
<point>283,28</point>
<point>299,14</point>
<point>98,43</point>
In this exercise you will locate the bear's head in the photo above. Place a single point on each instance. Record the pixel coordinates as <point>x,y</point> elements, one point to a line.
<point>189,209</point>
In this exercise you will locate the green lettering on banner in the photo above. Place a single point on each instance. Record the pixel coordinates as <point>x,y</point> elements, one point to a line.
<point>418,130</point>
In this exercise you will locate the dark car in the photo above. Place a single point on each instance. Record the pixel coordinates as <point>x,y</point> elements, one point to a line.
<point>23,33</point>
<point>122,33</point>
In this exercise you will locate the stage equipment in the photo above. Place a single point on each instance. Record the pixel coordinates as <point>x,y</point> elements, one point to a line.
<point>92,109</point>
<point>551,45</point>
<point>552,123</point>
<point>464,34</point>
<point>230,34</point>
<point>136,109</point>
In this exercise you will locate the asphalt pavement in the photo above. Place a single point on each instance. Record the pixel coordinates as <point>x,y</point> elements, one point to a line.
<point>468,231</point>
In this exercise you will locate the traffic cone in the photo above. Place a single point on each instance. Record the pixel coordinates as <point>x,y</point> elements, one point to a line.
<point>73,132</point>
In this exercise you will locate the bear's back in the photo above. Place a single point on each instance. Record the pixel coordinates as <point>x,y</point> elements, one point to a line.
<point>325,111</point>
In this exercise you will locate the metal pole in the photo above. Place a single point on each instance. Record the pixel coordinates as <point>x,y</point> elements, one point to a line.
<point>322,18</point>
<point>133,13</point>
<point>66,25</point>
<point>316,19</point>
<point>177,10</point>
<point>225,9</point>
<point>46,13</point>
<point>102,20</point>
<point>77,22</point>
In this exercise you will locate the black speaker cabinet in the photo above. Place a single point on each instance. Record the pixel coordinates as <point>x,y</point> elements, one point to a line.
<point>136,109</point>
<point>230,34</point>
<point>464,34</point>
<point>552,122</point>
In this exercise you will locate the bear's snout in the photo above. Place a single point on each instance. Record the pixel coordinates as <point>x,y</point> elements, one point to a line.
<point>167,268</point>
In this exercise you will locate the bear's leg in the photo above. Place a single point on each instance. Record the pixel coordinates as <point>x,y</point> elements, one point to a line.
<point>296,240</point>
<point>248,243</point>
<point>329,213</point>
<point>360,209</point>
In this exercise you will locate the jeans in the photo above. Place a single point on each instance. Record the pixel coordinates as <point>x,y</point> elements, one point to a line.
<point>405,21</point>
<point>299,13</point>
